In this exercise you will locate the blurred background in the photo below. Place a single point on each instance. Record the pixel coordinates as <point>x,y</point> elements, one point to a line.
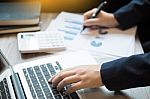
<point>78,6</point>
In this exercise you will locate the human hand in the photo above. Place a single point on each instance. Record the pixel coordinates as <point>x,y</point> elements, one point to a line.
<point>79,77</point>
<point>103,19</point>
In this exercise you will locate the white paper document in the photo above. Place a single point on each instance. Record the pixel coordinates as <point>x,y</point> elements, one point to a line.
<point>111,43</point>
<point>68,23</point>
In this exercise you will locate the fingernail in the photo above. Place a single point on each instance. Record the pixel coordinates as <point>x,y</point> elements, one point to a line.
<point>50,80</point>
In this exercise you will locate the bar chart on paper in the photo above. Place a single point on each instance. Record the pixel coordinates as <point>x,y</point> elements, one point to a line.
<point>70,24</point>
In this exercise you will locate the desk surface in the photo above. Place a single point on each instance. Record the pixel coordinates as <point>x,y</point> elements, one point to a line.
<point>8,44</point>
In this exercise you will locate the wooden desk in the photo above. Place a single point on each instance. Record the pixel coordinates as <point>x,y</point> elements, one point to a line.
<point>8,44</point>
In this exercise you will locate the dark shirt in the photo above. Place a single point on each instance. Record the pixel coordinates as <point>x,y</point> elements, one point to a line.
<point>127,73</point>
<point>131,71</point>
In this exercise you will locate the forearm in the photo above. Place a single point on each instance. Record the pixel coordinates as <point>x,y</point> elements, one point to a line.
<point>126,73</point>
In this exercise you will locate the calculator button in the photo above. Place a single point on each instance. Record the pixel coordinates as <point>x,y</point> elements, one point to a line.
<point>50,41</point>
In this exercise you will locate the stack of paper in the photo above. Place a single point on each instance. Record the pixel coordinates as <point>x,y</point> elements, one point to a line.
<point>68,23</point>
<point>114,44</point>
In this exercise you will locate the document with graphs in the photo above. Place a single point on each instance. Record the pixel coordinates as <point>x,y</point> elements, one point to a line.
<point>119,44</point>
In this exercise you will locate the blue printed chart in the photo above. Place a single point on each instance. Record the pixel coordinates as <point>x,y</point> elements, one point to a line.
<point>96,43</point>
<point>114,44</point>
<point>67,23</point>
<point>71,25</point>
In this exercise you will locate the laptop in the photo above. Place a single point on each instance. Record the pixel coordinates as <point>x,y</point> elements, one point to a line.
<point>29,80</point>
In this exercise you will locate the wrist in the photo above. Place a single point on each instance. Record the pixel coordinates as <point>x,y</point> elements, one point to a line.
<point>101,81</point>
<point>113,21</point>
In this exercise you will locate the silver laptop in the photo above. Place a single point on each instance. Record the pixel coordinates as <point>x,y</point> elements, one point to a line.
<point>30,80</point>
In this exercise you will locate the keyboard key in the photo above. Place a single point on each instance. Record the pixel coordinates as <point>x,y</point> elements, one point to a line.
<point>35,82</point>
<point>43,67</point>
<point>58,97</point>
<point>40,95</point>
<point>46,90</point>
<point>56,68</point>
<point>51,69</point>
<point>49,96</point>
<point>45,71</point>
<point>32,92</point>
<point>37,79</point>
<point>66,97</point>
<point>55,92</point>
<point>43,83</point>
<point>30,70</point>
<point>2,91</point>
<point>29,83</point>
<point>6,88</point>
<point>60,68</point>
<point>47,77</point>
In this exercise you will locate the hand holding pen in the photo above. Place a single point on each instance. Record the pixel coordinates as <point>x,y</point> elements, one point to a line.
<point>94,15</point>
<point>99,18</point>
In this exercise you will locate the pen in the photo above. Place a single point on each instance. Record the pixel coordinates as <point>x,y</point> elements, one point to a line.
<point>94,15</point>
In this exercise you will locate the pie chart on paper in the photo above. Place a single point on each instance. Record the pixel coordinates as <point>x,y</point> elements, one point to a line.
<point>96,43</point>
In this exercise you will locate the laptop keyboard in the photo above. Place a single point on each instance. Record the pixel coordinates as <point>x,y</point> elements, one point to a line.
<point>4,90</point>
<point>37,78</point>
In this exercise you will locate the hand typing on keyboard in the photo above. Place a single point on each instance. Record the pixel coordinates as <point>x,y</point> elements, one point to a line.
<point>37,78</point>
<point>78,78</point>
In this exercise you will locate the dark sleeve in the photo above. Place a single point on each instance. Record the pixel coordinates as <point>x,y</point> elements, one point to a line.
<point>114,5</point>
<point>132,13</point>
<point>125,73</point>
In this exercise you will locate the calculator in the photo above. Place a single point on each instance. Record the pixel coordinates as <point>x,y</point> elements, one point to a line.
<point>33,42</point>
